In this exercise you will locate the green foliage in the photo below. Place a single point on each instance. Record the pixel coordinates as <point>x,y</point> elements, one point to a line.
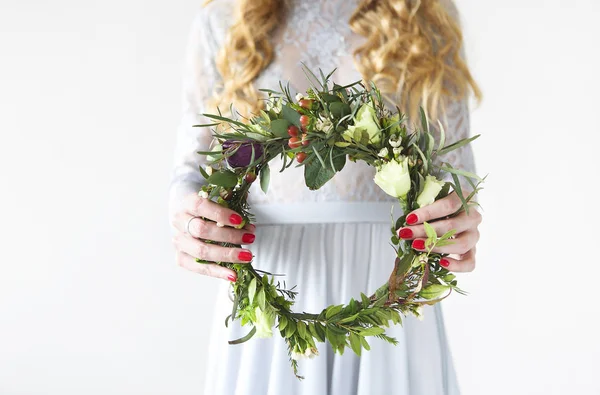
<point>416,279</point>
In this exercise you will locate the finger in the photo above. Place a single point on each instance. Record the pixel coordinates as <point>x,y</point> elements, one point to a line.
<point>460,223</point>
<point>460,244</point>
<point>208,269</point>
<point>465,264</point>
<point>438,209</point>
<point>202,207</point>
<point>210,252</point>
<point>201,229</point>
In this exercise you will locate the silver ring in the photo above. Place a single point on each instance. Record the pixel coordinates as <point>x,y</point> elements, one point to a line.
<point>188,226</point>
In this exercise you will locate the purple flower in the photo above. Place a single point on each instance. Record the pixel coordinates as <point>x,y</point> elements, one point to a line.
<point>242,152</point>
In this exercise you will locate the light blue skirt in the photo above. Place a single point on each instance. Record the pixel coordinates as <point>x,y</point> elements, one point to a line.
<point>330,263</point>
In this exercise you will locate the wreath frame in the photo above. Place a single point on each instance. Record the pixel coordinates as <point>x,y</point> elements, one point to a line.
<point>321,130</point>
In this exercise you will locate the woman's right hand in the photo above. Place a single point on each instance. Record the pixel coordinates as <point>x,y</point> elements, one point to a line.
<point>190,246</point>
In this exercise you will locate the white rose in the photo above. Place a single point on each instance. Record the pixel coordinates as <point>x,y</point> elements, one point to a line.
<point>393,177</point>
<point>431,189</point>
<point>366,119</point>
<point>264,322</point>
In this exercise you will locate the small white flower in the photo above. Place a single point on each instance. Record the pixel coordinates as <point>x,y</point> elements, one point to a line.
<point>209,170</point>
<point>203,194</point>
<point>299,97</point>
<point>396,151</point>
<point>311,352</point>
<point>324,125</point>
<point>395,141</point>
<point>220,225</point>
<point>383,153</point>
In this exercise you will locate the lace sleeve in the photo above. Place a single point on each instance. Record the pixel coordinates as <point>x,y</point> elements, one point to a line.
<point>199,76</point>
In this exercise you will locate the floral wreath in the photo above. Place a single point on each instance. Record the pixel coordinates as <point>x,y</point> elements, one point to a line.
<point>321,130</point>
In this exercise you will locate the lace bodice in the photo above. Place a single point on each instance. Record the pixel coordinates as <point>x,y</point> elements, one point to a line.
<point>317,34</point>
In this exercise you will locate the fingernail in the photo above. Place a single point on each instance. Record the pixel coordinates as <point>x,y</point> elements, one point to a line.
<point>405,233</point>
<point>252,227</point>
<point>232,278</point>
<point>235,219</point>
<point>444,262</point>
<point>248,238</point>
<point>412,219</point>
<point>418,244</point>
<point>245,256</point>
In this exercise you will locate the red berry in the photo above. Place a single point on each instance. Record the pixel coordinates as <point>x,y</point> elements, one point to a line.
<point>294,142</point>
<point>300,156</point>
<point>293,131</point>
<point>250,177</point>
<point>305,142</point>
<point>305,103</point>
<point>304,120</point>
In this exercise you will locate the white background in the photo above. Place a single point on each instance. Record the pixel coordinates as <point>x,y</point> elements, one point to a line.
<point>91,301</point>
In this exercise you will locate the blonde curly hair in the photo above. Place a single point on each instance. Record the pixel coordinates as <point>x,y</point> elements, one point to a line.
<point>412,53</point>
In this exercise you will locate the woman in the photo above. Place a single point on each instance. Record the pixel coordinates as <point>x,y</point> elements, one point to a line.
<point>332,243</point>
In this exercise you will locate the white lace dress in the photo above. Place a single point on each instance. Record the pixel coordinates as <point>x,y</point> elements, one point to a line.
<point>333,243</point>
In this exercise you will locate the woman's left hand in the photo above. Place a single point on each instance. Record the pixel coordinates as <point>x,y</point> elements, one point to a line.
<point>462,250</point>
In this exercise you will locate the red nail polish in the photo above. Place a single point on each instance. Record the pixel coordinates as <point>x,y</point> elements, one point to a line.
<point>232,278</point>
<point>245,256</point>
<point>248,238</point>
<point>405,233</point>
<point>235,219</point>
<point>444,262</point>
<point>252,227</point>
<point>411,219</point>
<point>418,244</point>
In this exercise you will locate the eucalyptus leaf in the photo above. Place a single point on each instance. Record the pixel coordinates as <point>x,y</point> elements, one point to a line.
<point>223,178</point>
<point>265,177</point>
<point>291,115</point>
<point>279,127</point>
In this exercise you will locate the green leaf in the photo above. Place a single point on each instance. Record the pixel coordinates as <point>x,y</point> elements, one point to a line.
<point>433,291</point>
<point>301,329</point>
<point>203,172</point>
<point>329,98</point>
<point>291,115</point>
<point>365,300</point>
<point>320,330</point>
<point>355,343</point>
<point>457,145</point>
<point>372,331</point>
<point>424,121</point>
<point>442,136</point>
<point>365,343</point>
<point>430,231</point>
<point>245,338</point>
<point>349,319</point>
<point>333,310</point>
<point>261,299</point>
<point>251,290</point>
<point>265,177</point>
<point>290,329</point>
<point>317,175</point>
<point>460,172</point>
<point>339,109</point>
<point>223,178</point>
<point>282,322</point>
<point>279,127</point>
